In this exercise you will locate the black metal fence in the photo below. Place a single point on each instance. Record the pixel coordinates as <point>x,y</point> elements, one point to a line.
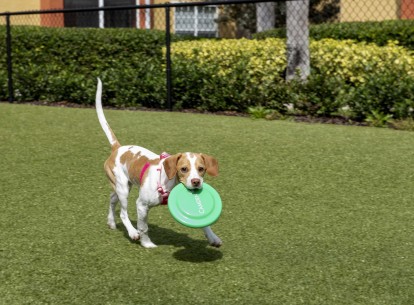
<point>218,19</point>
<point>214,19</point>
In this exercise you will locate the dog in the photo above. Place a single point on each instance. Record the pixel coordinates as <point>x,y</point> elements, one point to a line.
<point>155,175</point>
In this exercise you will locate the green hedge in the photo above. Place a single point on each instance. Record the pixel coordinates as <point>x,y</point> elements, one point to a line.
<point>348,79</point>
<point>376,32</point>
<point>55,64</point>
<point>356,78</point>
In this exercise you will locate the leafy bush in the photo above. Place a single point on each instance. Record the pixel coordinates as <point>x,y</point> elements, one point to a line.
<point>240,74</point>
<point>62,64</point>
<point>319,96</point>
<point>388,93</point>
<point>349,79</point>
<point>376,32</point>
<point>227,74</point>
<point>357,62</point>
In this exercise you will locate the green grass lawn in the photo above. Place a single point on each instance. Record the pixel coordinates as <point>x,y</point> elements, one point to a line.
<point>312,214</point>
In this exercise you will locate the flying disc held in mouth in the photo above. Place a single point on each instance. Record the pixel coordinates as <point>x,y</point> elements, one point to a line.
<point>196,208</point>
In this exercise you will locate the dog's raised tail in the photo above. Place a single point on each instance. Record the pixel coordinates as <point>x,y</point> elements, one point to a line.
<point>102,120</point>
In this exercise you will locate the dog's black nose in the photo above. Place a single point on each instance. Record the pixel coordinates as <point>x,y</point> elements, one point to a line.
<point>195,182</point>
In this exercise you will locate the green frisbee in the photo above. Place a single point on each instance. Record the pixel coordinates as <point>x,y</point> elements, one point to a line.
<point>197,208</point>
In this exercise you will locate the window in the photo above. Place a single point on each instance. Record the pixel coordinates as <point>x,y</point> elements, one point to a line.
<point>113,19</point>
<point>196,21</point>
<point>81,19</point>
<point>121,18</point>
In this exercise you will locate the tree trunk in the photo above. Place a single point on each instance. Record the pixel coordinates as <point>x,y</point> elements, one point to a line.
<point>265,16</point>
<point>297,46</point>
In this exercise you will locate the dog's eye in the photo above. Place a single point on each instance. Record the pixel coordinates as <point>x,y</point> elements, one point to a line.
<point>201,169</point>
<point>184,170</point>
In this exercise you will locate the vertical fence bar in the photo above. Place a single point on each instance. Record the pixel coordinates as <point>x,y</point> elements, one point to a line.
<point>9,59</point>
<point>168,56</point>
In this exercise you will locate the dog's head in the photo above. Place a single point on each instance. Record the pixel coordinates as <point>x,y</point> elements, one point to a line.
<point>190,168</point>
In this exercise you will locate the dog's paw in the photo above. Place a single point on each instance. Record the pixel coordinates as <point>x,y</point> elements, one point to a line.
<point>216,242</point>
<point>148,244</point>
<point>112,226</point>
<point>134,235</point>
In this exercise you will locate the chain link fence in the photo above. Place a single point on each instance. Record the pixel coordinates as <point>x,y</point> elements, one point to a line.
<point>213,19</point>
<point>209,19</point>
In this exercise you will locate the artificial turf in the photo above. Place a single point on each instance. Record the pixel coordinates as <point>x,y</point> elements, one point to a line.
<point>312,214</point>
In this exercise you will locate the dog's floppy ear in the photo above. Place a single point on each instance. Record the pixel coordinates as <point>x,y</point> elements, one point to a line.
<point>211,165</point>
<point>170,165</point>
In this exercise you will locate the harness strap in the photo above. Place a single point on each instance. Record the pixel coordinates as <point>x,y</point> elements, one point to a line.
<point>160,189</point>
<point>164,195</point>
<point>143,170</point>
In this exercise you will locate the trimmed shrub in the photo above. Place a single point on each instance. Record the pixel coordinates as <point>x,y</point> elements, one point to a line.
<point>388,92</point>
<point>54,64</point>
<point>227,74</point>
<point>349,79</point>
<point>238,74</point>
<point>357,62</point>
<point>376,32</point>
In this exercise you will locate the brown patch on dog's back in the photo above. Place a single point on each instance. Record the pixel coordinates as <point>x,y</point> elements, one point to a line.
<point>128,156</point>
<point>135,163</point>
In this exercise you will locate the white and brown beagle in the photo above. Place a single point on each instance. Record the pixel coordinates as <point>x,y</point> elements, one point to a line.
<point>155,175</point>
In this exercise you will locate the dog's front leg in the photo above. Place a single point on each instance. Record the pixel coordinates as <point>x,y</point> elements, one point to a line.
<point>142,225</point>
<point>213,239</point>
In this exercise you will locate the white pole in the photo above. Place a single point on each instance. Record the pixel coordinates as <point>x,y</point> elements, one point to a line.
<point>138,23</point>
<point>148,15</point>
<point>196,21</point>
<point>101,15</point>
<point>297,42</point>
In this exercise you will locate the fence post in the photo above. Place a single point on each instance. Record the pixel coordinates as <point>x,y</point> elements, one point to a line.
<point>9,59</point>
<point>168,56</point>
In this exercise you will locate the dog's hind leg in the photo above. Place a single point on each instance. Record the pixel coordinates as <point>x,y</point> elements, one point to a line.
<point>111,214</point>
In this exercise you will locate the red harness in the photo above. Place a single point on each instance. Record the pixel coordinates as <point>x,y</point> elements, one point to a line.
<point>164,194</point>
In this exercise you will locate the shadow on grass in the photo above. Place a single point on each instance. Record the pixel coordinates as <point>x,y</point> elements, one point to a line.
<point>195,251</point>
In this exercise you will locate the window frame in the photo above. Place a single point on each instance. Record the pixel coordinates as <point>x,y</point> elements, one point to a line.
<point>193,27</point>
